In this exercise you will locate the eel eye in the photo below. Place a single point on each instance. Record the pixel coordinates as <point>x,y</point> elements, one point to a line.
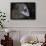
<point>25,10</point>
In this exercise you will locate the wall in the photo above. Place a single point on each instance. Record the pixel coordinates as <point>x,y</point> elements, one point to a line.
<point>40,14</point>
<point>25,26</point>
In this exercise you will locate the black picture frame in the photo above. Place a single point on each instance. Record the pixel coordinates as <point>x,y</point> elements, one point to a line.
<point>30,9</point>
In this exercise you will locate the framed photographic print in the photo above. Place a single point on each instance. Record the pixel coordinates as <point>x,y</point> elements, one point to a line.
<point>23,10</point>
